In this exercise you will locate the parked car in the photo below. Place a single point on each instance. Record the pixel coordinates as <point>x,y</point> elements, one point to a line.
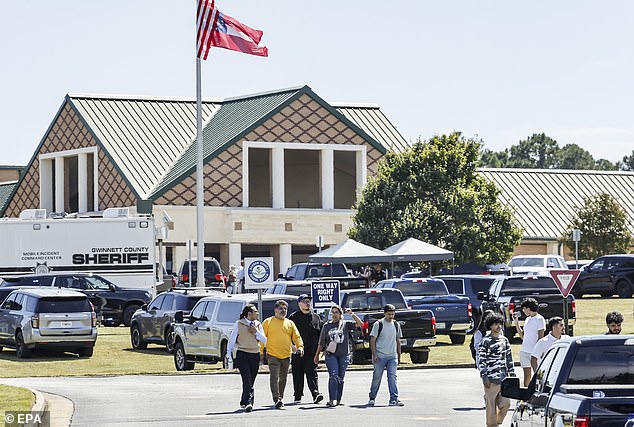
<point>202,336</point>
<point>468,285</point>
<point>214,276</point>
<point>523,264</point>
<point>113,304</point>
<point>470,268</point>
<point>453,313</point>
<point>47,318</point>
<point>577,264</point>
<point>607,275</point>
<point>152,323</point>
<point>507,293</point>
<point>583,381</point>
<point>417,326</point>
<point>301,274</point>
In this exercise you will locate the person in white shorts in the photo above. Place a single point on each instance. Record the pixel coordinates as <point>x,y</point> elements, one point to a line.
<point>556,325</point>
<point>533,331</point>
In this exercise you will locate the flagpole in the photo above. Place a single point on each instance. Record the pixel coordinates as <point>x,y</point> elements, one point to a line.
<point>200,223</point>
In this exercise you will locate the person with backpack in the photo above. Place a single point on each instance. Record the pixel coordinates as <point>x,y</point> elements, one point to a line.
<point>385,344</point>
<point>333,341</point>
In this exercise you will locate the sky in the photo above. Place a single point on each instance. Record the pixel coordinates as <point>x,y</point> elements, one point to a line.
<point>498,71</point>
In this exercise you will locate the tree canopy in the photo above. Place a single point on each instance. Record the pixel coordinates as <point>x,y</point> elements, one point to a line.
<point>540,151</point>
<point>432,192</point>
<point>603,224</point>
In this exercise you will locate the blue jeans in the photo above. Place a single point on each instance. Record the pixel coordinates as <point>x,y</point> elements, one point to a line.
<point>390,363</point>
<point>337,366</point>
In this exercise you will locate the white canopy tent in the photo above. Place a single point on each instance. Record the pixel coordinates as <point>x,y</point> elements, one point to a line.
<point>350,251</point>
<point>416,250</point>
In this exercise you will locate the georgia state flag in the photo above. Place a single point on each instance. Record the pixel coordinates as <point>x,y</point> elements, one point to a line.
<point>231,34</point>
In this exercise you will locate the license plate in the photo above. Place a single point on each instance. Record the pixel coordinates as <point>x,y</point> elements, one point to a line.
<point>403,341</point>
<point>440,326</point>
<point>66,324</point>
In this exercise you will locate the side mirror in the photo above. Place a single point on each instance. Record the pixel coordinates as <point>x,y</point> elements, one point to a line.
<point>144,307</point>
<point>511,388</point>
<point>280,275</point>
<point>178,316</point>
<point>111,287</point>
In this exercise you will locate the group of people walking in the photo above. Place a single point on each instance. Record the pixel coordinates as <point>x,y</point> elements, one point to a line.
<point>299,340</point>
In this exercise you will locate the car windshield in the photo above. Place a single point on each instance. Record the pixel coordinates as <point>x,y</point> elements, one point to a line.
<point>603,365</point>
<point>298,290</point>
<point>428,288</point>
<point>527,262</point>
<point>63,305</point>
<point>516,283</point>
<point>186,304</point>
<point>211,268</point>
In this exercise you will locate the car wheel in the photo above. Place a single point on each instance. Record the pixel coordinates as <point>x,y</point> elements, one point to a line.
<point>85,352</point>
<point>623,289</point>
<point>169,340</point>
<point>180,358</point>
<point>457,338</point>
<point>419,356</point>
<point>136,338</point>
<point>576,292</point>
<point>20,348</point>
<point>128,312</point>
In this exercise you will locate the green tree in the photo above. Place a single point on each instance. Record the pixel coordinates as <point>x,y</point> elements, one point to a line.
<point>571,156</point>
<point>604,227</point>
<point>494,159</point>
<point>433,192</point>
<point>538,151</point>
<point>605,165</point>
<point>627,164</point>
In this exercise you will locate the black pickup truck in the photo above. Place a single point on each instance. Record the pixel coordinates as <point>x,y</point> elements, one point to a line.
<point>581,382</point>
<point>417,326</point>
<point>299,276</point>
<point>507,293</point>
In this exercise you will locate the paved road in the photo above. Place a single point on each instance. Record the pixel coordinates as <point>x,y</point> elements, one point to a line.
<point>432,397</point>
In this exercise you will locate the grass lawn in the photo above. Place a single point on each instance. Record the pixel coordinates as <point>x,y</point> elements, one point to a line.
<point>114,356</point>
<point>14,399</point>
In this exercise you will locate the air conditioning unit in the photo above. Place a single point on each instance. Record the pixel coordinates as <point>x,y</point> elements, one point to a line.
<point>33,214</point>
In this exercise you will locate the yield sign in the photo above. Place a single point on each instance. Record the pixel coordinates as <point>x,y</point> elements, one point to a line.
<point>565,280</point>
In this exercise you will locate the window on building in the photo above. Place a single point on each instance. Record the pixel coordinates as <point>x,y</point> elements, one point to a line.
<point>260,193</point>
<point>345,179</point>
<point>302,179</point>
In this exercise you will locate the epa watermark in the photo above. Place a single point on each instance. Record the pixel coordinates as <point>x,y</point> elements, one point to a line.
<point>26,418</point>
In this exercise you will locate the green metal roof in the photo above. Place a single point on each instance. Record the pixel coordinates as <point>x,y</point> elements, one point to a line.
<point>545,201</point>
<point>152,141</point>
<point>6,189</point>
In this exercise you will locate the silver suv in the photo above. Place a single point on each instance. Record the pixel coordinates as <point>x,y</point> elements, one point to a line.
<point>202,336</point>
<point>48,318</point>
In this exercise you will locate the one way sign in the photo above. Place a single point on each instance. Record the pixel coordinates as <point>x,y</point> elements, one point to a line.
<point>565,280</point>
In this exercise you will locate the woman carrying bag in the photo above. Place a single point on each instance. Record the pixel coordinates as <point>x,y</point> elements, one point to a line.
<point>245,335</point>
<point>333,340</point>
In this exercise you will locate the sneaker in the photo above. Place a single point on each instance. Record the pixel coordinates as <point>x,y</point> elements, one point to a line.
<point>330,404</point>
<point>371,402</point>
<point>396,403</point>
<point>279,403</point>
<point>339,404</point>
<point>248,408</point>
<point>298,400</point>
<point>242,406</point>
<point>318,398</point>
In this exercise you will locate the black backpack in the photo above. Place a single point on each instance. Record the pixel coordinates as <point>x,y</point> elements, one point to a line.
<point>398,329</point>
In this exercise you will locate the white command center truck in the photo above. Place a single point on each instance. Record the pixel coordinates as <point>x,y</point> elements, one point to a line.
<point>117,246</point>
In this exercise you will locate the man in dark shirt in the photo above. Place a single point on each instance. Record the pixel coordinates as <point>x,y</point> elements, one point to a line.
<point>309,325</point>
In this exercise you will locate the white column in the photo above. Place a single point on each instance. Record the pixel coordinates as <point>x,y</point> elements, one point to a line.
<point>286,259</point>
<point>46,185</point>
<point>59,184</point>
<point>361,170</point>
<point>327,178</point>
<point>277,176</point>
<point>235,254</point>
<point>82,182</point>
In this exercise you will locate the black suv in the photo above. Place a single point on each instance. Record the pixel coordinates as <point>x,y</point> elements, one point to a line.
<point>114,305</point>
<point>607,275</point>
<point>214,277</point>
<point>152,323</point>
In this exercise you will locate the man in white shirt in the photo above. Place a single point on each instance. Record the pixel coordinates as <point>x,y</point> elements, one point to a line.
<point>556,325</point>
<point>533,331</point>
